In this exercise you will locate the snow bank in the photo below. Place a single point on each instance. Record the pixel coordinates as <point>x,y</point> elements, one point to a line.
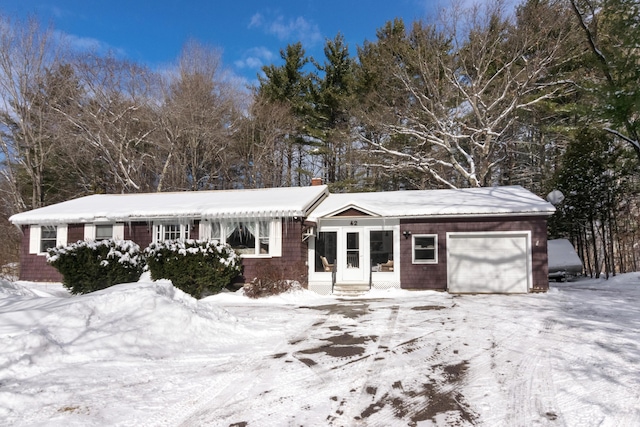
<point>148,354</point>
<point>295,296</point>
<point>9,288</point>
<point>149,320</point>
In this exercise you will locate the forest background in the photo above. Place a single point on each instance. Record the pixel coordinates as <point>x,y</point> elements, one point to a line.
<point>545,95</point>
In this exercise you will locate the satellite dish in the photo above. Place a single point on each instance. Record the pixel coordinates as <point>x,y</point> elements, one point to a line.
<point>555,197</point>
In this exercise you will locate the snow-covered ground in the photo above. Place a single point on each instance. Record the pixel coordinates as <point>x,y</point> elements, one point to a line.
<point>146,354</point>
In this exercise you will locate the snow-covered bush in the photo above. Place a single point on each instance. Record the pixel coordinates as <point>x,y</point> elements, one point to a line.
<point>88,266</point>
<point>194,266</point>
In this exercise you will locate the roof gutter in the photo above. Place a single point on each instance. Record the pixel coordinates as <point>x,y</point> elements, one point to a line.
<point>162,217</point>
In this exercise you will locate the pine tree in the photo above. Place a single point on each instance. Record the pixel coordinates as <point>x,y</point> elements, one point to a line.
<point>611,30</point>
<point>290,85</point>
<point>333,96</point>
<point>595,180</point>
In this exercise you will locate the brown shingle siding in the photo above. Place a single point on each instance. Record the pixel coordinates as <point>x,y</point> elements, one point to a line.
<point>291,265</point>
<point>434,276</point>
<point>34,267</point>
<point>75,233</point>
<point>140,232</point>
<point>194,232</point>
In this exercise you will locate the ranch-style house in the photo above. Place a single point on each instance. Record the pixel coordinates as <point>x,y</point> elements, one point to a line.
<point>479,240</point>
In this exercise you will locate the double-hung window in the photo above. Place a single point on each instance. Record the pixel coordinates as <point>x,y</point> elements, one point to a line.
<point>425,249</point>
<point>48,237</point>
<point>171,231</point>
<point>43,237</point>
<point>104,231</point>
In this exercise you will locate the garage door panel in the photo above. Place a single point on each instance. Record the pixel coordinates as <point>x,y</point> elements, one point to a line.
<point>487,263</point>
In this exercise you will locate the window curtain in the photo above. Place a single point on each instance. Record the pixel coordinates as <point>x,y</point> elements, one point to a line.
<point>251,227</point>
<point>215,230</point>
<point>261,230</point>
<point>229,228</point>
<point>265,228</point>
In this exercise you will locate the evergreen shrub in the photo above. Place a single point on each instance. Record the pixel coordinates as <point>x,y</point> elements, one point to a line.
<point>88,266</point>
<point>196,267</point>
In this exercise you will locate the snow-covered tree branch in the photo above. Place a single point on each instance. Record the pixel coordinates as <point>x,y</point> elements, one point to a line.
<point>464,85</point>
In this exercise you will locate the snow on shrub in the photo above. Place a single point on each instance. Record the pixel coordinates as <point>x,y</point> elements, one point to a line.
<point>193,266</point>
<point>88,266</point>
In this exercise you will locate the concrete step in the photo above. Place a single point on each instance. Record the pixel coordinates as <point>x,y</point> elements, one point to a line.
<point>350,290</point>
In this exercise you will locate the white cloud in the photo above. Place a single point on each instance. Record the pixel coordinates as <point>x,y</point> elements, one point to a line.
<point>288,29</point>
<point>57,12</point>
<point>256,21</point>
<point>250,62</point>
<point>255,58</point>
<point>87,44</point>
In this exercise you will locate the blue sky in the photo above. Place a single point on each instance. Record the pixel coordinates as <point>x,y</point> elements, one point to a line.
<point>250,33</point>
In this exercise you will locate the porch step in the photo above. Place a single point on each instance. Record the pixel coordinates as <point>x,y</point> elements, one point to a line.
<point>350,290</point>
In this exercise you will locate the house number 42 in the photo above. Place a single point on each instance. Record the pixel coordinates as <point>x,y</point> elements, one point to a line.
<point>354,222</point>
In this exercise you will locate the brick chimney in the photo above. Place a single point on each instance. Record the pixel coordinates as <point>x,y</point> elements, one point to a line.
<point>316,181</point>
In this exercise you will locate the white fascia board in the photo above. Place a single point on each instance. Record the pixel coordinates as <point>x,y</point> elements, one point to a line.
<point>475,216</point>
<point>318,220</point>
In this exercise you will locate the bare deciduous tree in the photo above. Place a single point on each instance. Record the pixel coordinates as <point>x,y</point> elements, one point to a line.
<point>112,124</point>
<point>198,119</point>
<point>26,53</point>
<point>263,144</point>
<point>464,83</point>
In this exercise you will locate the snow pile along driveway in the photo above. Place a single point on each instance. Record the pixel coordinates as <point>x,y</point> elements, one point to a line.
<point>147,354</point>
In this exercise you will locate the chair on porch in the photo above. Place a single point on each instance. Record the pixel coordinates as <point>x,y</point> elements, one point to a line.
<point>387,266</point>
<point>325,264</point>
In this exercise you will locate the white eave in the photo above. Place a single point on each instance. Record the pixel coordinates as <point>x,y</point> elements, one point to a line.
<point>285,202</point>
<point>469,202</point>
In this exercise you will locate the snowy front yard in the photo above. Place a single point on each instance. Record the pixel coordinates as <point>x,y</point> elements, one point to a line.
<point>147,354</point>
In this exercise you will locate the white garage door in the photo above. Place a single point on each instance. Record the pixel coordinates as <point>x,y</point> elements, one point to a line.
<point>488,263</point>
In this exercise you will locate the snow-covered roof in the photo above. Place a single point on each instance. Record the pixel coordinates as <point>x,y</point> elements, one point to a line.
<point>512,200</point>
<point>261,203</point>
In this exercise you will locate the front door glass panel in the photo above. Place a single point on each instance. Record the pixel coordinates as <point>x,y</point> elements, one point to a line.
<point>353,250</point>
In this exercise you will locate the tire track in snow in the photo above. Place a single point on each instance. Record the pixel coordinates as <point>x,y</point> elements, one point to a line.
<point>352,407</point>
<point>531,396</point>
<point>224,387</point>
<point>590,375</point>
<point>295,379</point>
<point>396,394</point>
<point>307,367</point>
<point>180,412</point>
